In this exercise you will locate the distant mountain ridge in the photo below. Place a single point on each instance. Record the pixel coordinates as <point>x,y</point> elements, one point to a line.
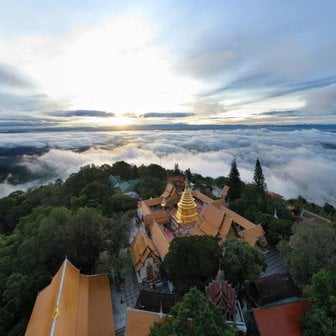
<point>168,127</point>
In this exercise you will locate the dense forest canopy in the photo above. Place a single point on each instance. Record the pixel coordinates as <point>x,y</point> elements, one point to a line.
<point>84,215</point>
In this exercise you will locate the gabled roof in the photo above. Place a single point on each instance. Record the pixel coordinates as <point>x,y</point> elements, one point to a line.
<point>142,248</point>
<point>222,294</point>
<point>169,194</point>
<point>156,301</point>
<point>138,322</point>
<point>73,304</point>
<point>201,197</point>
<point>314,217</point>
<point>252,234</point>
<point>273,288</point>
<point>216,220</point>
<point>280,320</point>
<point>160,239</point>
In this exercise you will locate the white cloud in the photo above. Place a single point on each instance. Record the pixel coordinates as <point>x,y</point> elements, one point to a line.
<point>294,162</point>
<point>116,65</point>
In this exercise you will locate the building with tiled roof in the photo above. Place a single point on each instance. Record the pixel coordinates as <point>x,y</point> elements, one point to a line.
<point>280,320</point>
<point>221,293</point>
<point>161,238</point>
<point>156,301</point>
<point>308,215</point>
<point>169,195</point>
<point>73,304</point>
<point>125,186</point>
<point>145,257</point>
<point>193,213</point>
<point>273,288</point>
<point>138,322</point>
<point>177,181</point>
<point>216,220</point>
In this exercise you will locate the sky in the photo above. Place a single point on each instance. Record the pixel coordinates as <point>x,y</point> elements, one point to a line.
<point>116,63</point>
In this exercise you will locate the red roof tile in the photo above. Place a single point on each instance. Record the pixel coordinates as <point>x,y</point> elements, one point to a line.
<point>280,320</point>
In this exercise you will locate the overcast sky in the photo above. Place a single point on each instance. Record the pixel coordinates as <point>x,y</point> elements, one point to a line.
<point>110,62</point>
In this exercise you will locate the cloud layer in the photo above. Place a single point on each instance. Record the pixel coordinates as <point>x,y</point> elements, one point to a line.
<point>295,162</point>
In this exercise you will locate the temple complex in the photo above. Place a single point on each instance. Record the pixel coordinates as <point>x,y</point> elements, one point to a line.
<point>191,213</point>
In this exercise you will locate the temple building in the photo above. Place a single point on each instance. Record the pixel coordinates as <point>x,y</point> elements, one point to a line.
<point>191,213</point>
<point>73,304</point>
<point>145,257</point>
<point>220,292</point>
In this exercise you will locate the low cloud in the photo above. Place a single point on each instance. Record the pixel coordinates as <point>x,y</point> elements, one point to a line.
<point>84,113</point>
<point>295,162</point>
<point>9,77</point>
<point>167,115</point>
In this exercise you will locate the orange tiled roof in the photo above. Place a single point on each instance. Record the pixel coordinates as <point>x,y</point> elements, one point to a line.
<point>142,248</point>
<point>138,322</point>
<point>195,231</point>
<point>159,237</point>
<point>216,220</point>
<point>169,194</point>
<point>283,319</point>
<point>73,304</point>
<point>200,196</point>
<point>252,235</point>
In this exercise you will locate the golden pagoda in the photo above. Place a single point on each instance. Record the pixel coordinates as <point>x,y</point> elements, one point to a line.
<point>186,208</point>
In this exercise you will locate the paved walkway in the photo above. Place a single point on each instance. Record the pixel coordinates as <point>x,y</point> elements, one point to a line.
<point>123,298</point>
<point>127,296</point>
<point>274,262</point>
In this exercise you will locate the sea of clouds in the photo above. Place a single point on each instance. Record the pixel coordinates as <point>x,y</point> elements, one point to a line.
<point>295,162</point>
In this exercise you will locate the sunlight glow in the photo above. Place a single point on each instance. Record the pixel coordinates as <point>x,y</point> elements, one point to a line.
<point>115,66</point>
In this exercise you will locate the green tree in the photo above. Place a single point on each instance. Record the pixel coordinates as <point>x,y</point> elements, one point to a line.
<point>194,315</point>
<point>311,247</point>
<point>188,175</point>
<point>122,169</point>
<point>317,323</point>
<point>234,182</point>
<point>115,232</point>
<point>82,238</point>
<point>157,171</point>
<point>150,187</point>
<point>242,262</point>
<point>177,170</point>
<point>321,293</point>
<point>328,209</point>
<point>191,261</point>
<point>259,178</point>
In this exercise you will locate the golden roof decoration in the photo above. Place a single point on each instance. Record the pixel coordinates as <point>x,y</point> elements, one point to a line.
<point>186,208</point>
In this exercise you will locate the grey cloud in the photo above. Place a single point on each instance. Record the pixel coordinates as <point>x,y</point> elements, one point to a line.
<point>11,78</point>
<point>83,113</point>
<point>166,115</point>
<point>322,100</point>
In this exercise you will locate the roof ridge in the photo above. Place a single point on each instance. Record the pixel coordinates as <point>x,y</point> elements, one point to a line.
<point>60,289</point>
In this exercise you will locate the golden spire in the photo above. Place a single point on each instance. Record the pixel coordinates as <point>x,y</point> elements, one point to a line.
<point>186,208</point>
